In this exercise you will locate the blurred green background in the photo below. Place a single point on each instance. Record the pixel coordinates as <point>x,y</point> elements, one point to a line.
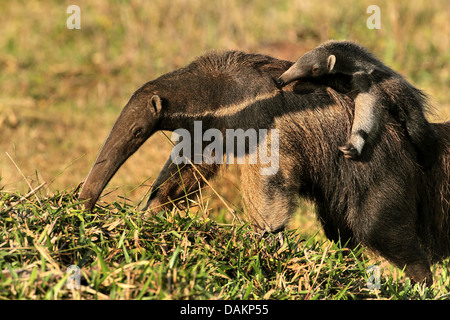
<point>61,89</point>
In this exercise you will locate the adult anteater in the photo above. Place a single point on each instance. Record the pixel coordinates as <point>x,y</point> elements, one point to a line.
<point>383,201</point>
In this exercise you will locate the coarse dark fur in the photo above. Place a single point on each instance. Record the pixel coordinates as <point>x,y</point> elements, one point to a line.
<point>374,87</point>
<point>385,201</point>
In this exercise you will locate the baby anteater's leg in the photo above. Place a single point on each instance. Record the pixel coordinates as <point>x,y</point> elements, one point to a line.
<point>365,124</point>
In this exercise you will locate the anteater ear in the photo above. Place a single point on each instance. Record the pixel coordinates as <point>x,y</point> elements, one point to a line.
<point>155,104</point>
<point>331,61</point>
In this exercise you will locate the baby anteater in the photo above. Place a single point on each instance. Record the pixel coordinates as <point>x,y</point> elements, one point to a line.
<point>377,88</point>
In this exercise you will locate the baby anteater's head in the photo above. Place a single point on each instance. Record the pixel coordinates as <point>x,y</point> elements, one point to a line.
<point>314,63</point>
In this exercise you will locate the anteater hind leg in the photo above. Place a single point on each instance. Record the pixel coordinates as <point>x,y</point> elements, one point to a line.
<point>176,183</point>
<point>387,222</point>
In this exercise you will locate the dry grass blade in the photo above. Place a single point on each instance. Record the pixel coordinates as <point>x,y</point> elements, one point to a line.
<point>17,167</point>
<point>29,194</point>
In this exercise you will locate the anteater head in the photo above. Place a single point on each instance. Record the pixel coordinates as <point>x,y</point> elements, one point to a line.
<point>314,63</point>
<point>135,124</point>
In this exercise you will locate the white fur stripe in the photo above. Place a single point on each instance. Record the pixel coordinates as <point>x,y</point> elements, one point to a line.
<point>232,109</point>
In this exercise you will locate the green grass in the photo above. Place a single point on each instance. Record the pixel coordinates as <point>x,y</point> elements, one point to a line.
<point>175,255</point>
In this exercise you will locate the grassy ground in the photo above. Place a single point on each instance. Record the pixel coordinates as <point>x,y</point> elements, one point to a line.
<point>176,256</point>
<point>60,92</point>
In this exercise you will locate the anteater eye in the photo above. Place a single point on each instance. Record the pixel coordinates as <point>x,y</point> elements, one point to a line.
<point>315,68</point>
<point>137,132</point>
